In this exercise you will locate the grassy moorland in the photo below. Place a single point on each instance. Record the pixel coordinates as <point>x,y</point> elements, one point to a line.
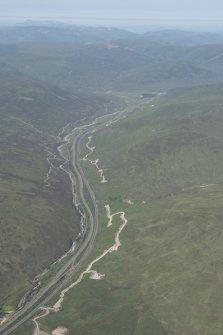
<point>166,278</point>
<point>122,65</point>
<point>38,221</point>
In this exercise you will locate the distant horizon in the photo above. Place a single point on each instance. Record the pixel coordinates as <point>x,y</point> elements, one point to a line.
<point>160,22</point>
<point>162,13</point>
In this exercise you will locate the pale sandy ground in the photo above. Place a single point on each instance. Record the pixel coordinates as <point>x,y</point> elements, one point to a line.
<point>128,201</point>
<point>60,331</point>
<point>57,331</point>
<point>94,162</point>
<point>3,320</point>
<point>96,276</point>
<point>201,187</point>
<point>25,98</point>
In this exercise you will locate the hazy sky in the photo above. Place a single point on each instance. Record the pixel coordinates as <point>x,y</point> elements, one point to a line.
<point>115,9</point>
<point>125,6</point>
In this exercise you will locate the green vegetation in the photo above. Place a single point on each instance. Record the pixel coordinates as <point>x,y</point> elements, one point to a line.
<point>7,308</point>
<point>38,32</point>
<point>166,276</point>
<point>37,218</point>
<point>35,32</point>
<point>124,65</point>
<point>163,163</point>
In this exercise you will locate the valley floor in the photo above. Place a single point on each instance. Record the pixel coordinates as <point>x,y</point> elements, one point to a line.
<point>162,204</point>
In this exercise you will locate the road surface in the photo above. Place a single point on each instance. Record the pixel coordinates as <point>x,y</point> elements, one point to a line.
<point>63,276</point>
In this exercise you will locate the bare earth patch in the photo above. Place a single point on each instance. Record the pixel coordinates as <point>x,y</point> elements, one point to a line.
<point>128,201</point>
<point>96,276</point>
<point>3,320</point>
<point>94,162</point>
<point>60,331</point>
<point>25,98</point>
<point>112,46</point>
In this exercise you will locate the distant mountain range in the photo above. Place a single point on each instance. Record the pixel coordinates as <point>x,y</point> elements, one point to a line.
<point>58,34</point>
<point>54,32</point>
<point>52,75</point>
<point>125,64</point>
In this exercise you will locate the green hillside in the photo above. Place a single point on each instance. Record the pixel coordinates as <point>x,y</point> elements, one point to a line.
<point>122,65</point>
<point>166,277</point>
<point>37,32</point>
<point>38,221</point>
<point>163,176</point>
<point>181,37</point>
<point>54,32</point>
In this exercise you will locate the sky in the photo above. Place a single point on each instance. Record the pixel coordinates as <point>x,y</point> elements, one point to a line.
<point>116,10</point>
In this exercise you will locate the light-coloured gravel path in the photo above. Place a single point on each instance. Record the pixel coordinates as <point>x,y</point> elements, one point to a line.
<point>93,273</point>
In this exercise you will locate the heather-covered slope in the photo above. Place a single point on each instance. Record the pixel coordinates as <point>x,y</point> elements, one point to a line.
<point>38,221</point>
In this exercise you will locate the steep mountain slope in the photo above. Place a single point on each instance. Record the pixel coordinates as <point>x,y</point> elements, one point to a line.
<point>53,32</point>
<point>38,221</point>
<point>121,65</point>
<point>60,34</point>
<point>180,37</point>
<point>164,166</point>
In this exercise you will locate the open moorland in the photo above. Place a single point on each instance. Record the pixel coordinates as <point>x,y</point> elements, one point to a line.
<point>119,65</point>
<point>38,220</point>
<point>163,165</point>
<point>154,165</point>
